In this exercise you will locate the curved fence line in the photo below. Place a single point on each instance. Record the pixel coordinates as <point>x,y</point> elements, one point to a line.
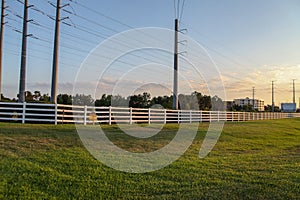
<point>59,114</point>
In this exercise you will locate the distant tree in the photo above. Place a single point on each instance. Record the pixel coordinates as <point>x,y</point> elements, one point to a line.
<point>29,96</point>
<point>277,109</point>
<point>194,101</point>
<point>247,108</point>
<point>140,100</point>
<point>36,95</point>
<point>204,101</point>
<point>119,101</point>
<point>268,108</point>
<point>165,101</point>
<point>110,100</point>
<point>104,101</point>
<point>81,99</point>
<point>236,107</point>
<point>184,102</point>
<point>217,104</point>
<point>64,99</point>
<point>45,98</point>
<point>5,99</point>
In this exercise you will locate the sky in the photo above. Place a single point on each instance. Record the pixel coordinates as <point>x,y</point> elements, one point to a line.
<point>241,45</point>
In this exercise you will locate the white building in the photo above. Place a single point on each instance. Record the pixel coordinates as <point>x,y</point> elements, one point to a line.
<point>258,104</point>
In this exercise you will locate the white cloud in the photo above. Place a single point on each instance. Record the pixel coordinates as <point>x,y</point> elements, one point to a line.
<point>261,79</point>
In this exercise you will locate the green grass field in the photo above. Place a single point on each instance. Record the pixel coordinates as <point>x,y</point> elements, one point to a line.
<point>252,160</point>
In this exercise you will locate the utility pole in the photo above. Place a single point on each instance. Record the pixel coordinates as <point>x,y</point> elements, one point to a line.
<point>55,55</point>
<point>253,91</point>
<point>175,84</point>
<point>23,56</point>
<point>1,42</point>
<point>273,96</point>
<point>294,94</point>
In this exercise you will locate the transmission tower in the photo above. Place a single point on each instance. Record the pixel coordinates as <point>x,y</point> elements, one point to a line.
<point>253,101</point>
<point>54,83</point>
<point>23,56</point>
<point>1,42</point>
<point>175,89</point>
<point>294,92</point>
<point>178,14</point>
<point>273,104</point>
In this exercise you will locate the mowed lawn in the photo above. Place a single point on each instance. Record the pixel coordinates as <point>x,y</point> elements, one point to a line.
<point>252,160</point>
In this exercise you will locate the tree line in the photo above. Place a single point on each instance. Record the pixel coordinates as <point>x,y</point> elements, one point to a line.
<point>193,101</point>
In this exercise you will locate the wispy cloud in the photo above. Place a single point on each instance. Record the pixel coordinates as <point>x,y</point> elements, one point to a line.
<point>241,86</point>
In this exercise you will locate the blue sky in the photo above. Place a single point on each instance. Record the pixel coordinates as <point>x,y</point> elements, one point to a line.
<point>252,42</point>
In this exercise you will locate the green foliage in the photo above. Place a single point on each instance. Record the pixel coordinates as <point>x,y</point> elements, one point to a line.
<point>140,100</point>
<point>165,101</point>
<point>64,99</point>
<point>244,108</point>
<point>104,101</point>
<point>252,160</point>
<point>194,101</point>
<point>268,108</point>
<point>6,99</point>
<point>81,99</point>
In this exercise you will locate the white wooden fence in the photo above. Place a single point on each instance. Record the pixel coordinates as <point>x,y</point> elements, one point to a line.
<point>59,114</point>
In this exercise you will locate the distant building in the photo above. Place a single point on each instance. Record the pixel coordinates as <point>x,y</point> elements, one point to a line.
<point>288,107</point>
<point>256,105</point>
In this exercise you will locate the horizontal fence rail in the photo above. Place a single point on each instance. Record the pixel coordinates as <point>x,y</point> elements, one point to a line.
<point>59,114</point>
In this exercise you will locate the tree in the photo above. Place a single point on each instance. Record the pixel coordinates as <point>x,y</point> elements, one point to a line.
<point>64,99</point>
<point>119,101</point>
<point>140,100</point>
<point>81,99</point>
<point>165,101</point>
<point>236,107</point>
<point>104,101</point>
<point>268,108</point>
<point>217,104</point>
<point>110,100</point>
<point>29,96</point>
<point>247,108</point>
<point>45,98</point>
<point>36,95</point>
<point>5,99</point>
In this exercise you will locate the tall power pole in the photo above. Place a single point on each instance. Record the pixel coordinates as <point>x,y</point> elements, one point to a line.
<point>55,55</point>
<point>175,84</point>
<point>273,104</point>
<point>23,56</point>
<point>253,92</point>
<point>1,42</point>
<point>294,94</point>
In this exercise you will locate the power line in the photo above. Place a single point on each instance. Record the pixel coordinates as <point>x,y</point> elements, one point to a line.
<point>182,8</point>
<point>101,14</point>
